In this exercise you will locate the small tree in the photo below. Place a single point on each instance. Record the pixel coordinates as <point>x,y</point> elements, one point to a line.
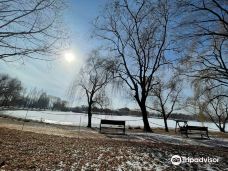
<point>94,77</point>
<point>216,107</point>
<point>212,105</point>
<point>166,96</point>
<point>217,110</point>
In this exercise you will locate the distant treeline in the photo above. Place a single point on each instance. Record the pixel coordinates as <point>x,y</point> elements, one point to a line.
<point>121,111</point>
<point>14,95</point>
<point>127,111</point>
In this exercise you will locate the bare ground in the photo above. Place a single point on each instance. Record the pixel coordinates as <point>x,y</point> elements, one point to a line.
<point>68,149</point>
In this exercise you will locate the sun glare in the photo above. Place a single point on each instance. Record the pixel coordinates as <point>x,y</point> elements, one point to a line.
<point>69,57</point>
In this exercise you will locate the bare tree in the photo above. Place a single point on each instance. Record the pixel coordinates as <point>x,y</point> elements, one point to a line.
<point>58,104</point>
<point>10,89</point>
<point>209,105</point>
<point>212,105</point>
<point>29,28</point>
<point>32,98</point>
<point>195,107</point>
<point>217,110</point>
<point>94,77</point>
<point>137,35</point>
<point>43,101</point>
<point>167,98</point>
<point>3,83</point>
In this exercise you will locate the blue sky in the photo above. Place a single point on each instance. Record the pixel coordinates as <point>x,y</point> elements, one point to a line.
<point>55,77</point>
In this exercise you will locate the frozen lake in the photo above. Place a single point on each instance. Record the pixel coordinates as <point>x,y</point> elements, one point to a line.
<point>70,118</point>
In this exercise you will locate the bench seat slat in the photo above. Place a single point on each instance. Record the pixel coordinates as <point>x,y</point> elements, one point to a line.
<point>197,128</point>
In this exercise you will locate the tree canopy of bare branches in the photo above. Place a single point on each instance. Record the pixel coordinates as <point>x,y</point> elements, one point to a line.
<point>204,30</point>
<point>136,32</point>
<point>204,17</point>
<point>30,28</point>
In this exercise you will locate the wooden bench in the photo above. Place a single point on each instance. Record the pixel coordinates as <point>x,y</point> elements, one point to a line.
<point>194,130</point>
<point>112,122</point>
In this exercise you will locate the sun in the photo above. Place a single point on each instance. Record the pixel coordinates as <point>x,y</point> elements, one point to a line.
<point>69,56</point>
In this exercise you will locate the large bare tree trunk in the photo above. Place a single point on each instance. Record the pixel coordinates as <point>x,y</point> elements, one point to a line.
<point>145,118</point>
<point>89,116</point>
<point>166,125</point>
<point>222,129</point>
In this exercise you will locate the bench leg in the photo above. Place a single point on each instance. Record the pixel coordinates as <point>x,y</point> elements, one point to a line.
<point>187,134</point>
<point>208,135</point>
<point>100,128</point>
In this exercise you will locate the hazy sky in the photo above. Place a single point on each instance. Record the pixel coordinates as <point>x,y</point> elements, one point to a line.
<point>55,77</point>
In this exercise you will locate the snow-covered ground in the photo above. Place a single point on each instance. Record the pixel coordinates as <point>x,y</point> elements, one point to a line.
<point>25,150</point>
<point>70,118</point>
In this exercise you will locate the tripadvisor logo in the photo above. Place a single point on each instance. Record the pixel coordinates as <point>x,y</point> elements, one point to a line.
<point>176,160</point>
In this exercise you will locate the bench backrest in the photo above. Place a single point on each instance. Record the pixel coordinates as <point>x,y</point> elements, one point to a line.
<point>112,122</point>
<point>197,128</point>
